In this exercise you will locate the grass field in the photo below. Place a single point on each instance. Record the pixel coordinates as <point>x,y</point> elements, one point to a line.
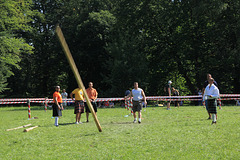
<point>180,133</point>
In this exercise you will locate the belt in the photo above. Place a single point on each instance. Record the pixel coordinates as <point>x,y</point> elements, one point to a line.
<point>137,101</point>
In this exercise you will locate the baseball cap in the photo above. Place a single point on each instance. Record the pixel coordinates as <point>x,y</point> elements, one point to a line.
<point>169,82</point>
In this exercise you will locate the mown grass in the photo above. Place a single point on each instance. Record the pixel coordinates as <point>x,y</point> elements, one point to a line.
<point>180,133</point>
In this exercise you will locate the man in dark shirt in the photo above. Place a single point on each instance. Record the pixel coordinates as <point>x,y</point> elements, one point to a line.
<point>127,92</point>
<point>167,90</point>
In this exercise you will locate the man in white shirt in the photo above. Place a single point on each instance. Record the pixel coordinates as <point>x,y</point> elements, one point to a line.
<point>138,95</point>
<point>64,95</point>
<point>211,94</point>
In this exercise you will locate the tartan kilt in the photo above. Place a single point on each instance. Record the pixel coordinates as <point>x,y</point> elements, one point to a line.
<point>212,106</point>
<point>79,107</point>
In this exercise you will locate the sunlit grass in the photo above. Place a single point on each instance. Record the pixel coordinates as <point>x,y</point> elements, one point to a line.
<point>180,133</point>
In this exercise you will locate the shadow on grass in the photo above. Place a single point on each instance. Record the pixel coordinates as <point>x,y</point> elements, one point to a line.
<point>64,124</point>
<point>90,134</point>
<point>120,122</point>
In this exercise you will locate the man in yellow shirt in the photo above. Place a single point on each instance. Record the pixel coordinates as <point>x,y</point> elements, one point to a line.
<point>79,103</point>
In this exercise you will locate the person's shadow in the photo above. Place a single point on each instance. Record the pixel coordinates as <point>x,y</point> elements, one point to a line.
<point>64,124</point>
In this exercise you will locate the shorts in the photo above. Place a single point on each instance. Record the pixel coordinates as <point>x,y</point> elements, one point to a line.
<point>168,99</point>
<point>79,107</point>
<point>206,104</point>
<point>137,106</point>
<point>94,104</point>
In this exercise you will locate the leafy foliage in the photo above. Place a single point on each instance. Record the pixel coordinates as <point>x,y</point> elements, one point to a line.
<point>14,19</point>
<point>115,43</point>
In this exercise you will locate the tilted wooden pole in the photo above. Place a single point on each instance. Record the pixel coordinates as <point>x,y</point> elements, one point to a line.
<point>76,73</point>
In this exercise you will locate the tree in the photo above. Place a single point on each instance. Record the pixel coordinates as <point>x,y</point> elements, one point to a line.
<point>14,18</point>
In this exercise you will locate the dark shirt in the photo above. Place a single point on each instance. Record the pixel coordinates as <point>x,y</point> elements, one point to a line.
<point>175,93</point>
<point>206,83</point>
<point>127,92</point>
<point>166,87</point>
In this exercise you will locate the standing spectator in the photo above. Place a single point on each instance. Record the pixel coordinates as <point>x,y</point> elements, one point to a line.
<point>237,103</point>
<point>167,90</point>
<point>138,95</point>
<point>79,103</point>
<point>200,95</point>
<point>111,105</point>
<point>196,93</point>
<point>127,92</point>
<point>175,93</point>
<point>92,95</point>
<point>57,105</point>
<point>209,76</point>
<point>211,94</point>
<point>128,101</point>
<point>64,95</point>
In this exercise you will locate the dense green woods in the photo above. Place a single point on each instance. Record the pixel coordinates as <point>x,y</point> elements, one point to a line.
<point>115,43</point>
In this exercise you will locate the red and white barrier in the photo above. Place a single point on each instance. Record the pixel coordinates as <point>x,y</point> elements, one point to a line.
<point>158,98</point>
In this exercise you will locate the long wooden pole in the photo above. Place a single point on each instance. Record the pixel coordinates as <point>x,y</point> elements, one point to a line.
<point>76,73</point>
<point>27,125</point>
<point>29,129</point>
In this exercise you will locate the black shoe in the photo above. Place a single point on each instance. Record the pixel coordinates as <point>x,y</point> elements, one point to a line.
<point>87,121</point>
<point>139,122</point>
<point>209,118</point>
<point>214,123</point>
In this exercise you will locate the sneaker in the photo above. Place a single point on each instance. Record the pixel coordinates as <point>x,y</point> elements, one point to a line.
<point>214,123</point>
<point>87,121</point>
<point>139,122</point>
<point>80,123</point>
<point>134,121</point>
<point>76,123</point>
<point>56,125</point>
<point>209,118</point>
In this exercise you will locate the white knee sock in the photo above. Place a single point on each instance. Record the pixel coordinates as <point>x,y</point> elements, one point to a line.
<point>214,118</point>
<point>56,121</point>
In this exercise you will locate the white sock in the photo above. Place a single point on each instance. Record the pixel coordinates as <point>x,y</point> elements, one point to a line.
<point>214,117</point>
<point>56,121</point>
<point>135,119</point>
<point>139,119</point>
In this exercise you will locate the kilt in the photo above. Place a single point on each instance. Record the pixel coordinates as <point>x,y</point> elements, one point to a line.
<point>94,104</point>
<point>137,106</point>
<point>79,107</point>
<point>212,106</point>
<point>56,111</point>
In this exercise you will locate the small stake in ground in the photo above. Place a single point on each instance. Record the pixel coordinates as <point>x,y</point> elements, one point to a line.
<point>29,129</point>
<point>27,125</point>
<point>76,73</point>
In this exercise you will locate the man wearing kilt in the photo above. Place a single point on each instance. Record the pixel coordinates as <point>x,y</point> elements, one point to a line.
<point>211,94</point>
<point>79,104</point>
<point>209,76</point>
<point>57,105</point>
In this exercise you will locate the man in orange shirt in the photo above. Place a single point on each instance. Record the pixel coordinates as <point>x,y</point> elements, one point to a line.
<point>92,95</point>
<point>57,105</point>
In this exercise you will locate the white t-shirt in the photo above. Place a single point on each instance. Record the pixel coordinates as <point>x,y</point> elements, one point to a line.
<point>213,90</point>
<point>137,94</point>
<point>64,95</point>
